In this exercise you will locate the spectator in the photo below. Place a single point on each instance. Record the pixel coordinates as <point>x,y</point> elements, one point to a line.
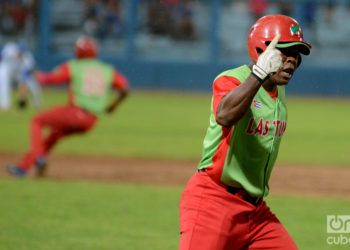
<point>329,12</point>
<point>15,16</point>
<point>112,18</point>
<point>159,18</point>
<point>285,7</point>
<point>173,3</point>
<point>7,23</point>
<point>308,12</point>
<point>102,18</point>
<point>92,13</point>
<point>31,19</point>
<point>185,28</point>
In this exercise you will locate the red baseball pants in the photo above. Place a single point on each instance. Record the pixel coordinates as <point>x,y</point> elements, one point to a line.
<point>211,218</point>
<point>61,122</point>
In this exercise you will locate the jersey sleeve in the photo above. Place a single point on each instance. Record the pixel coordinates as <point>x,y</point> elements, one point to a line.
<point>60,75</point>
<point>221,87</point>
<point>120,82</point>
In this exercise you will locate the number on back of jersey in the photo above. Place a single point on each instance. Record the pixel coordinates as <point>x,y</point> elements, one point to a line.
<point>93,82</point>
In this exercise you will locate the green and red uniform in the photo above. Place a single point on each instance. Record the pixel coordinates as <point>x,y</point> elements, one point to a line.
<point>221,207</point>
<point>90,82</point>
<point>243,155</point>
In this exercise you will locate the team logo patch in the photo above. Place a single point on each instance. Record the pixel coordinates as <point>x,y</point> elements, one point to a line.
<point>257,104</point>
<point>295,30</point>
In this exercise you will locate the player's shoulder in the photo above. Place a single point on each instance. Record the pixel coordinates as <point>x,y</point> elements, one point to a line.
<point>231,77</point>
<point>240,72</point>
<point>103,63</point>
<point>107,64</point>
<point>71,61</point>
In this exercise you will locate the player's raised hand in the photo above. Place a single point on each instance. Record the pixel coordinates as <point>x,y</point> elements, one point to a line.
<point>274,42</point>
<point>269,61</point>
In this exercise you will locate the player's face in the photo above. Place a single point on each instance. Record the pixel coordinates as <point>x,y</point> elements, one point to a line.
<point>291,60</point>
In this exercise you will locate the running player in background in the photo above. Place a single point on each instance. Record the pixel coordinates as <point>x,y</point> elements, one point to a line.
<point>17,67</point>
<point>90,83</point>
<point>222,206</point>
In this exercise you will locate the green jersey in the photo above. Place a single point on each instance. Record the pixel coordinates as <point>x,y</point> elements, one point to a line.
<point>244,155</point>
<point>91,81</point>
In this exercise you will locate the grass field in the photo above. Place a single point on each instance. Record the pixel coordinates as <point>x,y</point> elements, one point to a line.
<point>52,215</point>
<point>160,125</point>
<point>81,215</point>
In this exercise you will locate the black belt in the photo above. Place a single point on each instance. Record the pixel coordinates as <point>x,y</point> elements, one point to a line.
<point>240,192</point>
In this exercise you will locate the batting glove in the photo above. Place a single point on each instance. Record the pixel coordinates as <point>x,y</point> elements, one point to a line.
<point>269,61</point>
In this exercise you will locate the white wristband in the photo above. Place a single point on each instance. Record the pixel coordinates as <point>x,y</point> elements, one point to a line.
<point>259,73</point>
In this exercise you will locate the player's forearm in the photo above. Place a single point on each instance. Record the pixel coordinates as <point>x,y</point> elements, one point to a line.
<point>52,79</point>
<point>122,95</point>
<point>115,103</point>
<point>60,75</point>
<point>236,103</point>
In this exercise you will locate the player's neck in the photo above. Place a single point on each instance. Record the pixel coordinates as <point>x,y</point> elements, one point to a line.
<point>269,86</point>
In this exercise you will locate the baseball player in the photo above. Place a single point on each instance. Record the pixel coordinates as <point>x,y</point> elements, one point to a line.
<point>90,82</point>
<point>16,69</point>
<point>222,206</point>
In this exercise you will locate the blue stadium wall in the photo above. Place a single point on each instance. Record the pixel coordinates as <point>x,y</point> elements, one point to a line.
<point>310,79</point>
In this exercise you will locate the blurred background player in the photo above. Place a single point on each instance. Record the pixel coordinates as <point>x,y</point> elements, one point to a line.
<point>90,85</point>
<point>17,67</point>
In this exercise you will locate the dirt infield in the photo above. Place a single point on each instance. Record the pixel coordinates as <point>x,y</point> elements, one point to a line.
<point>299,180</point>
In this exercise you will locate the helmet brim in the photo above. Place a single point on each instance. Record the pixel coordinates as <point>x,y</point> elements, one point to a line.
<point>303,47</point>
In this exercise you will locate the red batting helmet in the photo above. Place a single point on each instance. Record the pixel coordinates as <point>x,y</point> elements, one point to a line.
<point>266,28</point>
<point>85,47</point>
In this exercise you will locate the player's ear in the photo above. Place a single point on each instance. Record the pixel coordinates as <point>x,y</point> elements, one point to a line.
<point>299,60</point>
